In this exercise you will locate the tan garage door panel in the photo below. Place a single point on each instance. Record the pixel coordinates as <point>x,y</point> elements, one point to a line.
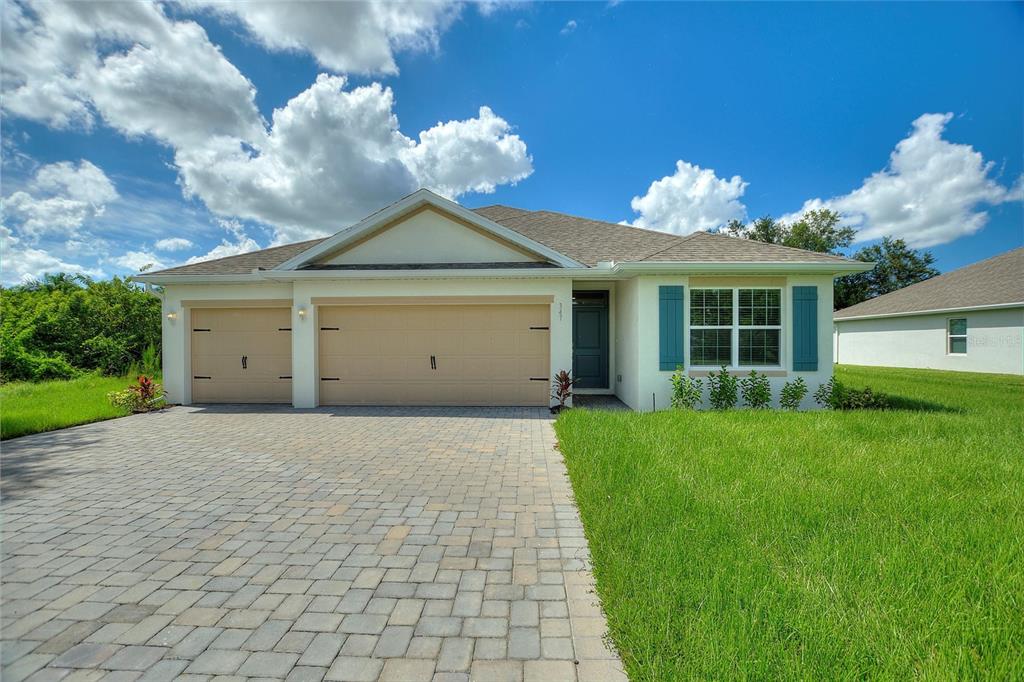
<point>482,355</point>
<point>222,337</point>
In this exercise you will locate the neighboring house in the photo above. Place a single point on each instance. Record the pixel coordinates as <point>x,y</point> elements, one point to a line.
<point>968,320</point>
<point>426,302</point>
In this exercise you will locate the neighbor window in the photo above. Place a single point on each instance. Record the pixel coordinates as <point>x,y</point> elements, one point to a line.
<point>737,327</point>
<point>957,343</point>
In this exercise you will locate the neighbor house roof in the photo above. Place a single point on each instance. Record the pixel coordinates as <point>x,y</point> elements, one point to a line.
<point>994,282</point>
<point>581,239</point>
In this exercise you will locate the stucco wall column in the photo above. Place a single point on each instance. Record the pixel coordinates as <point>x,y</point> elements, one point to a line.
<point>304,350</point>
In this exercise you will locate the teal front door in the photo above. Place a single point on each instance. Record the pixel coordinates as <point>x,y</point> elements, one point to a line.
<point>590,339</point>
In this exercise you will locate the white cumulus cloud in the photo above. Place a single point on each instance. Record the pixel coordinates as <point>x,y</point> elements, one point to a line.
<point>334,155</point>
<point>137,260</point>
<point>239,244</point>
<point>474,155</point>
<point>59,199</point>
<point>348,37</point>
<point>329,157</point>
<point>690,200</point>
<point>84,182</point>
<point>933,191</point>
<point>20,262</point>
<point>173,244</point>
<point>142,72</point>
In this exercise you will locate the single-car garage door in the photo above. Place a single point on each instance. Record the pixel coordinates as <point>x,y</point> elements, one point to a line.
<point>495,354</point>
<point>241,355</point>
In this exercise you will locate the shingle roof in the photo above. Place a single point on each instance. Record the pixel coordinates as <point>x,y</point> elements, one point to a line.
<point>584,240</point>
<point>590,241</point>
<point>705,246</point>
<point>264,259</point>
<point>998,280</point>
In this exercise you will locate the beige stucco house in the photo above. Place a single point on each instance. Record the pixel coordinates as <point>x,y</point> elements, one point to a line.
<point>968,320</point>
<point>426,302</point>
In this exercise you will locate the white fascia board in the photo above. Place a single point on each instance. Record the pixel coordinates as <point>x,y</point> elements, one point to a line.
<point>935,311</point>
<point>415,200</point>
<point>694,267</point>
<point>461,273</point>
<point>603,270</point>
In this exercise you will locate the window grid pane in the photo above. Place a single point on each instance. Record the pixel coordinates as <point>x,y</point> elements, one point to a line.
<point>710,307</point>
<point>958,327</point>
<point>759,347</point>
<point>760,307</point>
<point>711,346</point>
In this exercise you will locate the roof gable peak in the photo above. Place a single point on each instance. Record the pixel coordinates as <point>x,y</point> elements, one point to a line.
<point>413,202</point>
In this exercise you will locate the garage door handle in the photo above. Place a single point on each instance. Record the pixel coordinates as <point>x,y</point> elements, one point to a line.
<point>433,362</point>
<point>245,362</point>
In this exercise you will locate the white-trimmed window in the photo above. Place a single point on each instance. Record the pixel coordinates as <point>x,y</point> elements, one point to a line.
<point>956,336</point>
<point>738,327</point>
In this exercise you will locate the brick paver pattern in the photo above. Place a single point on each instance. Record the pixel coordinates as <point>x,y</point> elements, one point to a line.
<point>267,543</point>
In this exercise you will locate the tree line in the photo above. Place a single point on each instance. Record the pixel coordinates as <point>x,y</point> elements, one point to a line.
<point>65,325</point>
<point>896,264</point>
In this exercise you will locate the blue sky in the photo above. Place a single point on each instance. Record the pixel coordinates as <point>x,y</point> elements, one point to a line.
<point>159,128</point>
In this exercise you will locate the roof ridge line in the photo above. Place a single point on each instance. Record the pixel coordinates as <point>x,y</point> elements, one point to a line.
<point>681,240</point>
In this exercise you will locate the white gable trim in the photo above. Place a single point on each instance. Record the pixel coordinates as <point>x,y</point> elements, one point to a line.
<point>413,201</point>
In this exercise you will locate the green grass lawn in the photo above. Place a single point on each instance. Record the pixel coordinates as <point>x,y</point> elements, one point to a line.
<point>34,407</point>
<point>827,545</point>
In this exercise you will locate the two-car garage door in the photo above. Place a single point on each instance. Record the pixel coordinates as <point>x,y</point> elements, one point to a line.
<point>434,354</point>
<point>476,354</point>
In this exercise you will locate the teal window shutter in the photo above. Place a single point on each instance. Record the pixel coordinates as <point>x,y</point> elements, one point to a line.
<point>670,327</point>
<point>805,329</point>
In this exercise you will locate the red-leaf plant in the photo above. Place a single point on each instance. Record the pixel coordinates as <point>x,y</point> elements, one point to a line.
<point>561,389</point>
<point>147,389</point>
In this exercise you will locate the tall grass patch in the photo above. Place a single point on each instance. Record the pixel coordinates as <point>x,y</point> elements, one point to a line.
<point>782,545</point>
<point>33,407</point>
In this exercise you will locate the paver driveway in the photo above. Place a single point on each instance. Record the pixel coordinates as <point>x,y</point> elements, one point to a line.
<point>346,544</point>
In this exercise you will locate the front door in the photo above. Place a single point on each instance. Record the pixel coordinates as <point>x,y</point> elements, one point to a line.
<point>590,339</point>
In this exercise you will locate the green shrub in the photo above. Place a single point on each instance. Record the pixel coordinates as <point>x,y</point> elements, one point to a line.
<point>107,354</point>
<point>757,391</point>
<point>862,399</point>
<point>827,394</point>
<point>148,364</point>
<point>722,389</point>
<point>65,325</point>
<point>835,396</point>
<point>151,359</point>
<point>686,392</point>
<point>793,393</point>
<point>17,362</point>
